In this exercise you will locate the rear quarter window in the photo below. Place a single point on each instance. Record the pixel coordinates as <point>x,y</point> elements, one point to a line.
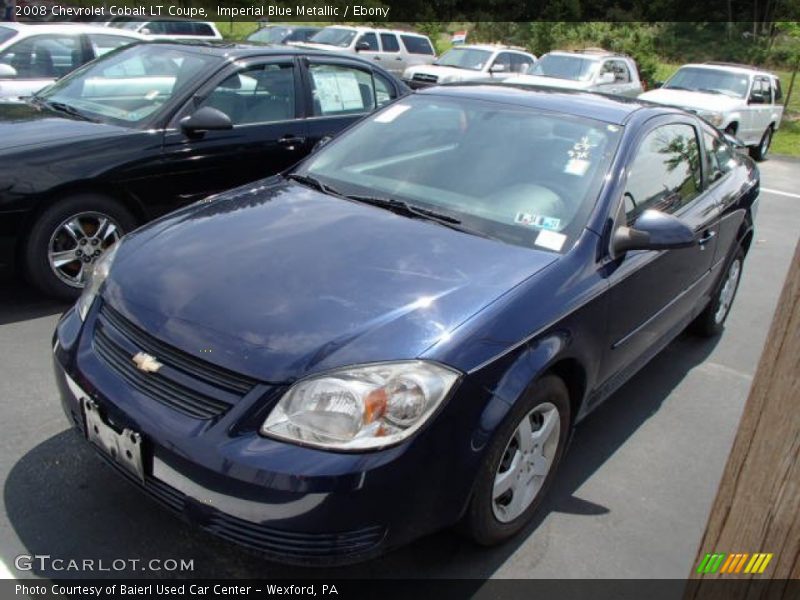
<point>417,45</point>
<point>6,34</point>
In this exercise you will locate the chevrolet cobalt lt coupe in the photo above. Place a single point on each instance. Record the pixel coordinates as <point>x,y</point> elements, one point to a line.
<point>400,333</point>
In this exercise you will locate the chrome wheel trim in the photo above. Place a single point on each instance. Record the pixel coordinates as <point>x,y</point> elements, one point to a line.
<point>765,142</point>
<point>526,461</point>
<point>728,291</point>
<point>77,243</point>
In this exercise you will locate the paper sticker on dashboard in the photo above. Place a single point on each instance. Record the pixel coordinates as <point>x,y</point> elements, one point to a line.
<point>550,240</point>
<point>576,166</point>
<point>539,221</point>
<point>391,113</point>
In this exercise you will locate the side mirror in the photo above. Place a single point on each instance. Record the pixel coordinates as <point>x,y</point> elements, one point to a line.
<point>321,142</point>
<point>606,78</point>
<point>497,69</point>
<point>362,46</point>
<point>7,71</point>
<point>737,144</point>
<point>757,98</point>
<point>206,119</point>
<point>654,230</point>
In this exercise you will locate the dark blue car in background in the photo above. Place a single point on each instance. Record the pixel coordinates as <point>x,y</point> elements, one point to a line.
<point>400,334</point>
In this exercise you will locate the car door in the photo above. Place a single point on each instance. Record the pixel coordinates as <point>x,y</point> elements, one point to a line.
<point>262,98</point>
<point>521,63</point>
<point>371,50</point>
<point>340,92</point>
<point>500,67</point>
<point>652,294</point>
<point>760,104</point>
<point>392,59</point>
<point>41,59</point>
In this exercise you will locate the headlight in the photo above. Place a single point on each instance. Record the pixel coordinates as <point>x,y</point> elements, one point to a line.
<point>98,275</point>
<point>715,118</point>
<point>361,407</point>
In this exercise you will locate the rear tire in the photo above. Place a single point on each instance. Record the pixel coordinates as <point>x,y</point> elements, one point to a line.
<point>68,237</point>
<point>495,515</point>
<point>711,322</point>
<point>760,152</point>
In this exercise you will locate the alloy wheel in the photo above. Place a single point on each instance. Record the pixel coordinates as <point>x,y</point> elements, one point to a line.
<point>78,242</point>
<point>526,461</point>
<point>728,290</point>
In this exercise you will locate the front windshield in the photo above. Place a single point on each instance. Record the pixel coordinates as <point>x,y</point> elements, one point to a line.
<point>508,172</point>
<point>560,66</point>
<point>713,81</point>
<point>128,86</point>
<point>464,58</point>
<point>269,35</point>
<point>334,36</point>
<point>6,34</point>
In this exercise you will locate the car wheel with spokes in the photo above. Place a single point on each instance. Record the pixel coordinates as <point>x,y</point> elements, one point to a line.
<point>69,237</point>
<point>711,321</point>
<point>760,152</point>
<point>520,463</point>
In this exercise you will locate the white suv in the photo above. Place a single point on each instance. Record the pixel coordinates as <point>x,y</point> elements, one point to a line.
<point>172,29</point>
<point>471,63</point>
<point>590,70</point>
<point>393,50</point>
<point>740,100</point>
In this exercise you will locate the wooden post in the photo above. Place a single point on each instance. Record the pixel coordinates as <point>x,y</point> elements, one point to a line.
<point>757,508</point>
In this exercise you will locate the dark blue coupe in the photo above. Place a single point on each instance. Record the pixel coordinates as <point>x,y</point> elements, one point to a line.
<point>400,333</point>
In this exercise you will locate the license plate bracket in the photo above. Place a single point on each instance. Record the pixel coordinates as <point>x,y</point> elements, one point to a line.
<point>124,448</point>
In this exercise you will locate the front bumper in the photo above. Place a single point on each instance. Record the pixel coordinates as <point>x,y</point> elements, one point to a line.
<point>293,504</point>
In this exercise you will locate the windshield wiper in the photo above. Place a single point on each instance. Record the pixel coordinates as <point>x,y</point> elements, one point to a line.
<point>65,108</point>
<point>411,210</point>
<point>678,87</point>
<point>313,182</point>
<point>709,91</point>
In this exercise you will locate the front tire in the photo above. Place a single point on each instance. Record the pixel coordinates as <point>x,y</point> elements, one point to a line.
<point>760,152</point>
<point>520,463</point>
<point>711,322</point>
<point>68,237</point>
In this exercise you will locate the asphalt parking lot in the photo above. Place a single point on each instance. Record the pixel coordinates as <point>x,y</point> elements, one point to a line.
<point>631,500</point>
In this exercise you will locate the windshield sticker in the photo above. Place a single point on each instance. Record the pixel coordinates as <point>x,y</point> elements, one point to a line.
<point>539,221</point>
<point>337,91</point>
<point>576,166</point>
<point>581,150</point>
<point>391,113</point>
<point>550,240</point>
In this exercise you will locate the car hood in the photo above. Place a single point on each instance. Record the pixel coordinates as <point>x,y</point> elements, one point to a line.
<point>549,82</point>
<point>698,101</point>
<point>277,281</point>
<point>25,126</point>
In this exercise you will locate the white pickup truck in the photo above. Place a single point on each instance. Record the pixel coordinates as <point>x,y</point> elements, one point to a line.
<point>740,100</point>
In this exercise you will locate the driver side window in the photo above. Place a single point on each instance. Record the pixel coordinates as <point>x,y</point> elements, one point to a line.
<point>665,175</point>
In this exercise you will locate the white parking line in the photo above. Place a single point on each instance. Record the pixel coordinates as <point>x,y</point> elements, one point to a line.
<point>780,193</point>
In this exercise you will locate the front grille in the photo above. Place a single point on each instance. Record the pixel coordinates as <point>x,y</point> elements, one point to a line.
<point>425,77</point>
<point>187,384</point>
<point>275,542</point>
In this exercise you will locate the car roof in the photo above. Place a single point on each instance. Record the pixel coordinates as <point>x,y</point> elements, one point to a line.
<point>609,109</point>
<point>362,29</point>
<point>492,48</point>
<point>29,28</point>
<point>732,67</point>
<point>589,55</point>
<point>243,50</point>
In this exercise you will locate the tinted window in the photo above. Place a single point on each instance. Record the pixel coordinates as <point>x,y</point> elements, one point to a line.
<point>384,91</point>
<point>509,172</point>
<point>389,42</point>
<point>258,94</point>
<point>520,63</point>
<point>338,90</point>
<point>102,43</point>
<point>128,86</point>
<point>465,58</point>
<point>777,92</point>
<point>301,35</point>
<point>370,39</point>
<point>665,174</point>
<point>503,60</point>
<point>6,34</point>
<point>179,28</point>
<point>762,90</point>
<point>719,156</point>
<point>203,29</point>
<point>334,36</point>
<point>44,56</point>
<point>620,71</point>
<point>417,45</point>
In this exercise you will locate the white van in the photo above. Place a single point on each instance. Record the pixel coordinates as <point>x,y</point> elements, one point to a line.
<point>393,50</point>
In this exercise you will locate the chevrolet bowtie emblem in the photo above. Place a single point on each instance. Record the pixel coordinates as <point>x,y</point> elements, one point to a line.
<point>146,362</point>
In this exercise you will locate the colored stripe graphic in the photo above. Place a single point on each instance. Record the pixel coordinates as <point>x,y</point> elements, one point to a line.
<point>711,562</point>
<point>758,563</point>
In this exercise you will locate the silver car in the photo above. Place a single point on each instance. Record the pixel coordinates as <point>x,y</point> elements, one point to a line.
<point>34,56</point>
<point>592,70</point>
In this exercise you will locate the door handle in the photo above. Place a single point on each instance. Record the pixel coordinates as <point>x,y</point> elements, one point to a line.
<point>291,141</point>
<point>377,58</point>
<point>398,58</point>
<point>707,237</point>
